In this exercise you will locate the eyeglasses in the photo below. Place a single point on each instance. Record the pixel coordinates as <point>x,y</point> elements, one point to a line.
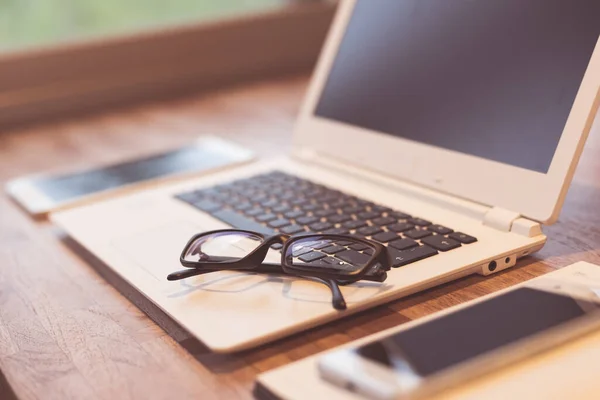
<point>330,259</point>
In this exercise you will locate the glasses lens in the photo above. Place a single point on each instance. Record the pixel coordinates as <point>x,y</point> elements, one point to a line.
<point>222,247</point>
<point>346,255</point>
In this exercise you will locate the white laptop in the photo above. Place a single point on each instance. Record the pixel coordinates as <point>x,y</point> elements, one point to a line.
<point>447,130</point>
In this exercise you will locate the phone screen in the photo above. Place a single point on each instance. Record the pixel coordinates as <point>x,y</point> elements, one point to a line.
<point>62,188</point>
<point>472,331</point>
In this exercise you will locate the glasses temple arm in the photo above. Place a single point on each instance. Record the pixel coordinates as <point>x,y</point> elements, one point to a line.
<point>338,301</point>
<point>185,273</point>
<point>267,268</point>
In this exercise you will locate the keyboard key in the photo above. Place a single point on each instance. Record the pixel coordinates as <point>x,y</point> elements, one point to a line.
<point>219,197</point>
<point>385,237</point>
<point>205,192</point>
<point>260,197</point>
<point>359,246</point>
<point>398,215</point>
<point>419,221</point>
<point>368,215</point>
<point>280,208</point>
<point>327,197</point>
<point>383,221</point>
<point>287,196</point>
<point>310,207</point>
<point>253,212</point>
<point>299,201</point>
<point>207,205</point>
<point>360,202</point>
<point>442,230</point>
<point>321,245</point>
<point>417,233</point>
<point>278,223</point>
<point>401,227</point>
<point>403,244</point>
<point>270,203</point>
<point>369,230</point>
<point>323,262</point>
<point>463,237</point>
<point>306,220</point>
<point>353,209</point>
<point>310,193</point>
<point>441,243</point>
<point>232,201</point>
<point>338,218</point>
<point>241,222</point>
<point>333,249</point>
<point>379,209</point>
<point>320,226</point>
<point>325,212</point>
<point>266,217</point>
<point>354,257</point>
<point>404,257</point>
<point>312,256</point>
<point>336,231</point>
<point>243,206</point>
<point>339,203</point>
<point>294,214</point>
<point>293,229</point>
<point>354,224</point>
<point>299,250</point>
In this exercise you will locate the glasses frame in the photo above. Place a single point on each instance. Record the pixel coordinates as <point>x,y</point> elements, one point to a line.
<point>254,262</point>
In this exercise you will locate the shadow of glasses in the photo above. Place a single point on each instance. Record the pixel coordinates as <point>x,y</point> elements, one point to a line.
<point>302,289</point>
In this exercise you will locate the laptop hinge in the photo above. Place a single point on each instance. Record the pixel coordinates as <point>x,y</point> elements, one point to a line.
<point>496,217</point>
<point>510,221</point>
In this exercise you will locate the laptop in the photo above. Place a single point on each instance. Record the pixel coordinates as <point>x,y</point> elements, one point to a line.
<point>449,131</point>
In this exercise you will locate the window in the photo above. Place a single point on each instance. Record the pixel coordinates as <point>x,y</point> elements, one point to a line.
<point>61,57</point>
<point>26,23</point>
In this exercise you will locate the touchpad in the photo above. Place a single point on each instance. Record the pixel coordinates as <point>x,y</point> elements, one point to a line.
<point>157,249</point>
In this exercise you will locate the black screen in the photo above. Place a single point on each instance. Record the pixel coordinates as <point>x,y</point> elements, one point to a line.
<point>467,333</point>
<point>492,78</point>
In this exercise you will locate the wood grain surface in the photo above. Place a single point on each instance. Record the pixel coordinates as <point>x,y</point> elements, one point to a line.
<point>70,329</point>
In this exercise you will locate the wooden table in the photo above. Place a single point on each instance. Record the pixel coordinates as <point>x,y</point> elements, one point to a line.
<point>65,332</point>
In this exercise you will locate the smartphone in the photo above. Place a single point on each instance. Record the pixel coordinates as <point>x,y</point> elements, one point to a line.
<point>448,350</point>
<point>42,194</point>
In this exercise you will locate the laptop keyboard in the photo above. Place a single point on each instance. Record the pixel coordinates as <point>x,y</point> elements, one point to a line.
<point>277,202</point>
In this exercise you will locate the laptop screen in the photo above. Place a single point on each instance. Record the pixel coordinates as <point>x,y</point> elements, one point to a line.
<point>491,78</point>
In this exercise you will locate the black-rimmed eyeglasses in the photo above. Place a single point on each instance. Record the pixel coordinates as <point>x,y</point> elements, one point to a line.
<point>330,259</point>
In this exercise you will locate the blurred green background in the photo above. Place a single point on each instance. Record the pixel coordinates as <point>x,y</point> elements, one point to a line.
<point>25,23</point>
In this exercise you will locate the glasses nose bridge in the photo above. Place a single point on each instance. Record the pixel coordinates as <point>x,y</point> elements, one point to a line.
<point>280,238</point>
